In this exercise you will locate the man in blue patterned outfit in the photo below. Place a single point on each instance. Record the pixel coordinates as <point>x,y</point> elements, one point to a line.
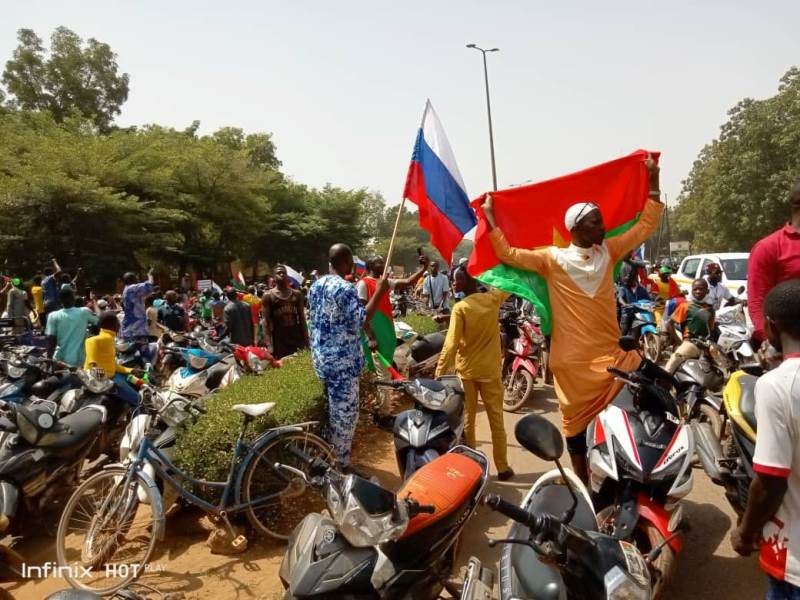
<point>337,318</point>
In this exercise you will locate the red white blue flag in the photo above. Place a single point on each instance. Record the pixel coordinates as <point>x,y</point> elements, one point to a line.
<point>434,184</point>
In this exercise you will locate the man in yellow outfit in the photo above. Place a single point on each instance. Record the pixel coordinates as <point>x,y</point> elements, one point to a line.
<point>101,354</point>
<point>585,332</point>
<point>473,346</point>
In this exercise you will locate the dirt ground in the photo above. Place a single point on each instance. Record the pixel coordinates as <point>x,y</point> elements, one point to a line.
<point>182,565</point>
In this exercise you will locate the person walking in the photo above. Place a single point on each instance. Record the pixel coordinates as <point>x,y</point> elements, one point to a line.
<point>585,335</point>
<point>473,351</point>
<point>337,318</point>
<point>283,309</point>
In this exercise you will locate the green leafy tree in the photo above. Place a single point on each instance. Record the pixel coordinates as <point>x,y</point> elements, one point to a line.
<point>737,191</point>
<point>71,77</point>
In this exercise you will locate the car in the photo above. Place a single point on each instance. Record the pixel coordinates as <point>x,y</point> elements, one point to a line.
<point>734,270</point>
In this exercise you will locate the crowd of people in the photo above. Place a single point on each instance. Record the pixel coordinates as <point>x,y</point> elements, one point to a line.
<point>589,312</point>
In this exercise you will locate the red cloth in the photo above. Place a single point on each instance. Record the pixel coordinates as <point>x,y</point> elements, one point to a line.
<point>530,216</point>
<point>773,259</point>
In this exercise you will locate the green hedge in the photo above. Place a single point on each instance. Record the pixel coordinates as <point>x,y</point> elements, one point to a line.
<point>422,324</point>
<point>204,450</point>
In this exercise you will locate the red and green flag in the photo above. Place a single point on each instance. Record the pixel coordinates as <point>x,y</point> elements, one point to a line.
<point>382,325</point>
<point>532,216</point>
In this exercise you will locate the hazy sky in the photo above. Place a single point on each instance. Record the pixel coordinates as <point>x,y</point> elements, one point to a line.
<point>341,85</point>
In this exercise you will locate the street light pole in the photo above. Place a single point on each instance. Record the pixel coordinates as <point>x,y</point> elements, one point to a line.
<point>488,108</point>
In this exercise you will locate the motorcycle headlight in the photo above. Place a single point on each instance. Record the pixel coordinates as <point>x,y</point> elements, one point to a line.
<point>335,505</point>
<point>16,370</point>
<point>95,381</point>
<point>621,586</point>
<point>363,530</point>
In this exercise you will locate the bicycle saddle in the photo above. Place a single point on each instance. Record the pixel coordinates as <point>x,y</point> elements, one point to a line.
<point>254,410</point>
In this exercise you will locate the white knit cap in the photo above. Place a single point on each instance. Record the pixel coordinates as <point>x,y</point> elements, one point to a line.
<point>577,212</point>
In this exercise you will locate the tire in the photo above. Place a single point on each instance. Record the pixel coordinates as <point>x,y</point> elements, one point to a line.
<point>709,415</point>
<point>521,390</point>
<point>293,500</point>
<point>645,537</point>
<point>116,511</point>
<point>650,346</point>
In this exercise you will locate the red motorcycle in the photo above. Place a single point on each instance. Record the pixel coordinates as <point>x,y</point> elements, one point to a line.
<point>525,358</point>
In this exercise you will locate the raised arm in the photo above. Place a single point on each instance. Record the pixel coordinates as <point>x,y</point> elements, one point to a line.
<point>521,258</point>
<point>622,244</point>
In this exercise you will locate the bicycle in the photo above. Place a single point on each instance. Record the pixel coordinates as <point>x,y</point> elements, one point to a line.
<point>111,523</point>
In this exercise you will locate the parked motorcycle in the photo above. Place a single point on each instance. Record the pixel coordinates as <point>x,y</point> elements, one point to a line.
<point>525,358</point>
<point>375,543</point>
<point>729,461</point>
<point>42,454</point>
<point>733,342</point>
<point>640,458</point>
<point>20,368</point>
<point>555,548</point>
<point>433,427</point>
<point>416,354</point>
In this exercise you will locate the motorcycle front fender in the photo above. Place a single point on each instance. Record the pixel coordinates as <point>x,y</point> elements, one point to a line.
<point>657,515</point>
<point>649,328</point>
<point>523,363</point>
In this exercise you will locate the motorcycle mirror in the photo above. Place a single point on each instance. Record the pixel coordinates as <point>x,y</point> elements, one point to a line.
<point>628,343</point>
<point>540,437</point>
<point>740,291</point>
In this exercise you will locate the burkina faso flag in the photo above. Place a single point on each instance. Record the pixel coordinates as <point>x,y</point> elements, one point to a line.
<point>532,216</point>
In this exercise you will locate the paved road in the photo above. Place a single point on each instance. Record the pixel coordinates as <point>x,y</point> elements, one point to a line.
<point>708,566</point>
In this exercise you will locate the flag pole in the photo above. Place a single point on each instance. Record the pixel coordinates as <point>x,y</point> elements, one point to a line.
<point>402,204</point>
<point>394,234</point>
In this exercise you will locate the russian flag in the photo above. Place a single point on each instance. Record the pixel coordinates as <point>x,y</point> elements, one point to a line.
<point>361,266</point>
<point>434,184</point>
<point>295,278</point>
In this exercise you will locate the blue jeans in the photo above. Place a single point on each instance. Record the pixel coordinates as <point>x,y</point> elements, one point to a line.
<point>125,390</point>
<point>781,590</point>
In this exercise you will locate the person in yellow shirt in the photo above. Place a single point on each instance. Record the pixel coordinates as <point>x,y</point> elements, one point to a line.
<point>472,346</point>
<point>37,294</point>
<point>101,354</point>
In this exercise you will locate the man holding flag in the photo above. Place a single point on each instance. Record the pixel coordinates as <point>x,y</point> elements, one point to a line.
<point>382,323</point>
<point>575,283</point>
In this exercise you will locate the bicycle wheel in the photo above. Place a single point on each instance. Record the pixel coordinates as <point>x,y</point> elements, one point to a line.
<point>291,499</point>
<point>105,535</point>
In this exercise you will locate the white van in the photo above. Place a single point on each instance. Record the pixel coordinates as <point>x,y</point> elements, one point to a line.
<point>734,270</point>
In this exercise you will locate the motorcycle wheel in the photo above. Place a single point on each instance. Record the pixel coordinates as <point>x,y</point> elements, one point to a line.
<point>519,391</point>
<point>650,346</point>
<point>713,418</point>
<point>646,536</point>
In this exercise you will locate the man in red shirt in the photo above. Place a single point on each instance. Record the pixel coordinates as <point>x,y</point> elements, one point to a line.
<point>773,259</point>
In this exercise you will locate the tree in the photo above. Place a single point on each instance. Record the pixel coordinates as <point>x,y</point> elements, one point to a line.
<point>72,77</point>
<point>737,190</point>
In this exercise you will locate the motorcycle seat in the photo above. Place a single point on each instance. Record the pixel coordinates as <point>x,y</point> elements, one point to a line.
<point>254,410</point>
<point>427,346</point>
<point>75,428</point>
<point>747,401</point>
<point>447,483</point>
